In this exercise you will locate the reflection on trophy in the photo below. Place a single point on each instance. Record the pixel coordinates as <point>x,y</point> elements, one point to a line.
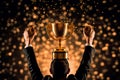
<point>60,31</point>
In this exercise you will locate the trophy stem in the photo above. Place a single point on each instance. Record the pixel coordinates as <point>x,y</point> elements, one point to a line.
<point>60,43</point>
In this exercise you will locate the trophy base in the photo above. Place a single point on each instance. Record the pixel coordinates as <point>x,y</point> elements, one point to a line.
<point>59,54</point>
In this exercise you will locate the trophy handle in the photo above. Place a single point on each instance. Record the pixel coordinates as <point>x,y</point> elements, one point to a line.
<point>61,31</point>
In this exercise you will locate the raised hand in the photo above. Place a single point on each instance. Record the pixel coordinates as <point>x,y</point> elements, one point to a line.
<point>29,35</point>
<point>89,34</point>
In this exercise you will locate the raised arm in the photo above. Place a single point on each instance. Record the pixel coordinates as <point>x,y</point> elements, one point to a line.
<point>89,51</point>
<point>35,72</point>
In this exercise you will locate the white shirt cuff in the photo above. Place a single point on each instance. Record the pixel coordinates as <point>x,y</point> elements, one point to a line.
<point>88,45</point>
<point>28,46</point>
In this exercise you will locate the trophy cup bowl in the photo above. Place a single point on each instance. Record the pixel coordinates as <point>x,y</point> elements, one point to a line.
<point>60,31</point>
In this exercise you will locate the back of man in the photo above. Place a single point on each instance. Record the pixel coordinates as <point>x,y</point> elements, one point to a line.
<point>59,68</point>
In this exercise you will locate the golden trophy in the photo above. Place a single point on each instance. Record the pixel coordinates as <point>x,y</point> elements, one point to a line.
<point>60,31</point>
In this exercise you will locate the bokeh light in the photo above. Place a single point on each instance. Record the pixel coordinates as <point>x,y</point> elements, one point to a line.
<point>16,15</point>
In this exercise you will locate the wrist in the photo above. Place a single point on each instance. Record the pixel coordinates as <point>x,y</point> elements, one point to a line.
<point>89,42</point>
<point>28,45</point>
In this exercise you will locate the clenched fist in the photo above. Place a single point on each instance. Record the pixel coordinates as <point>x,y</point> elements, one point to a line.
<point>89,34</point>
<point>29,35</point>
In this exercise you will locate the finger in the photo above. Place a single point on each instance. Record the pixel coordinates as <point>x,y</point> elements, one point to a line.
<point>35,33</point>
<point>92,34</point>
<point>26,35</point>
<point>84,32</point>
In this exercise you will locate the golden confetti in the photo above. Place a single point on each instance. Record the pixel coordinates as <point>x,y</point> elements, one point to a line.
<point>17,15</point>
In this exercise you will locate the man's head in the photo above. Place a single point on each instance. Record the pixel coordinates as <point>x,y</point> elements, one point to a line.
<point>59,68</point>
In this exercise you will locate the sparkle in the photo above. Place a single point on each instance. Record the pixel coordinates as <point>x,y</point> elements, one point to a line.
<point>16,15</point>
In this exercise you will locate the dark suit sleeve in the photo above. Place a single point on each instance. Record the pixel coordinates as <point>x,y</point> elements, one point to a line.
<point>32,64</point>
<point>85,63</point>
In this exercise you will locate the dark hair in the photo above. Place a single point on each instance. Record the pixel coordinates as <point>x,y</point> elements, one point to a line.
<point>47,77</point>
<point>71,77</point>
<point>59,67</point>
